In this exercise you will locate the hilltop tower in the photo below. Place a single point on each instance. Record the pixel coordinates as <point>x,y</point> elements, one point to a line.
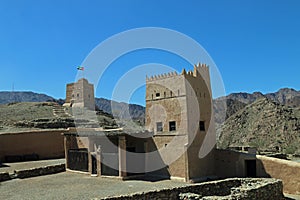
<point>80,94</point>
<point>179,112</point>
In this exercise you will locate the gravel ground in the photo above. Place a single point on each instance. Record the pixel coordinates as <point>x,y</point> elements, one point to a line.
<point>74,186</point>
<point>10,167</point>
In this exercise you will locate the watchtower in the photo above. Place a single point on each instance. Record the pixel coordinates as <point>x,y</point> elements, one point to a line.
<point>80,94</point>
<point>179,112</point>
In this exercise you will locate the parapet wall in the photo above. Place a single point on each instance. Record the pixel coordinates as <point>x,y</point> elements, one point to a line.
<point>287,171</point>
<point>236,188</point>
<point>198,69</point>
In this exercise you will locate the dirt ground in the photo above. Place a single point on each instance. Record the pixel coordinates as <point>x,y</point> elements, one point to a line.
<point>74,186</point>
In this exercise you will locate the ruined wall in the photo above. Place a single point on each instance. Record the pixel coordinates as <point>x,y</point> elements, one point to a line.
<point>287,171</point>
<point>51,169</point>
<point>246,189</point>
<point>46,144</point>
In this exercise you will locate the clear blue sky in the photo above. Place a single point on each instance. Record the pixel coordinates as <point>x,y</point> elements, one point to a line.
<point>254,43</point>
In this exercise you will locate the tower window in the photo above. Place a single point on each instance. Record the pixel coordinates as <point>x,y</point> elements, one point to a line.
<point>164,94</point>
<point>178,92</point>
<point>157,94</point>
<point>159,127</point>
<point>89,96</point>
<point>77,94</point>
<point>171,93</point>
<point>172,126</point>
<point>202,126</point>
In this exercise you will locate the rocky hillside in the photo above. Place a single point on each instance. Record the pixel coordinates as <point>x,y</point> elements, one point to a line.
<point>121,110</point>
<point>265,124</point>
<point>48,115</point>
<point>224,107</point>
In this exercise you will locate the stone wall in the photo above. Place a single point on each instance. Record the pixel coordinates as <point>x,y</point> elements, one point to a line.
<point>263,189</point>
<point>40,171</point>
<point>4,176</point>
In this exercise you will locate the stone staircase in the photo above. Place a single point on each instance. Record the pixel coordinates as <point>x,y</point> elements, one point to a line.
<point>59,111</point>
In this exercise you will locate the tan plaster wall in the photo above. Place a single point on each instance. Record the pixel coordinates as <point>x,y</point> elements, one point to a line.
<point>170,153</point>
<point>287,171</point>
<point>199,108</point>
<point>69,92</point>
<point>166,107</point>
<point>47,144</point>
<point>230,163</point>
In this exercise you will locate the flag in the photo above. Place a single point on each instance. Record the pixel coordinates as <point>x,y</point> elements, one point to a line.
<point>80,68</point>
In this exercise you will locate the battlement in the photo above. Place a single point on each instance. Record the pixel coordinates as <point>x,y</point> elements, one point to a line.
<point>198,68</point>
<point>162,76</point>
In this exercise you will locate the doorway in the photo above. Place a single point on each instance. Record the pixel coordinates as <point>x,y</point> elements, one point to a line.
<point>250,168</point>
<point>94,165</point>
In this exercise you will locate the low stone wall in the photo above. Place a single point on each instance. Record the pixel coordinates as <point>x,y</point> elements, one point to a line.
<point>236,188</point>
<point>40,171</point>
<point>4,176</point>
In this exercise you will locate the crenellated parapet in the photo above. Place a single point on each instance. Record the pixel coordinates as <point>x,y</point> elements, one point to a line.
<point>161,76</point>
<point>199,68</point>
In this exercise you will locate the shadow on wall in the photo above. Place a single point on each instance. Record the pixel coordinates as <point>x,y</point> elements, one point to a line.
<point>151,161</point>
<point>229,164</point>
<point>237,164</point>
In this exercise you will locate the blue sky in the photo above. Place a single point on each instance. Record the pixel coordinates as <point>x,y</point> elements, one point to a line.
<point>255,44</point>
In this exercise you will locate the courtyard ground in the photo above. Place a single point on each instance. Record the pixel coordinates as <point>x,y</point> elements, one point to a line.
<point>68,185</point>
<point>74,186</point>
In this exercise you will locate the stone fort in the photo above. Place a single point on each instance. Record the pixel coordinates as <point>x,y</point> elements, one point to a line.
<point>178,119</point>
<point>80,94</point>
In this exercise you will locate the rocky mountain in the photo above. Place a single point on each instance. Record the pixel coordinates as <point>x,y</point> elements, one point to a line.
<point>285,96</point>
<point>226,106</point>
<point>265,124</point>
<point>10,97</point>
<point>121,110</point>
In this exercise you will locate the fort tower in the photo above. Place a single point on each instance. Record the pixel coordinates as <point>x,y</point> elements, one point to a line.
<point>178,111</point>
<point>80,94</point>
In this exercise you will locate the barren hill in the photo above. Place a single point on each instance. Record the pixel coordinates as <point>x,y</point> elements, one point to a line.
<point>265,124</point>
<point>47,115</point>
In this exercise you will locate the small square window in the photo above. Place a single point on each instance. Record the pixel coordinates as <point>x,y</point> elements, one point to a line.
<point>159,127</point>
<point>157,94</point>
<point>202,126</point>
<point>172,126</point>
